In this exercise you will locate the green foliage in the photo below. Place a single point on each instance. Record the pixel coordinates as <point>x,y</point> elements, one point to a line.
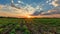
<point>12,32</point>
<point>1,29</point>
<point>26,32</point>
<point>46,23</point>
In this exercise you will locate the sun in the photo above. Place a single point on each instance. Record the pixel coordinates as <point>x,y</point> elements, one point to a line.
<point>28,16</point>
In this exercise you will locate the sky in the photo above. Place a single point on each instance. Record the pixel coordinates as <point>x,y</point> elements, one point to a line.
<point>34,3</point>
<point>30,7</point>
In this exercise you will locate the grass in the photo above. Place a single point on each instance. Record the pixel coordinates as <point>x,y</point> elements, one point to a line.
<point>31,26</point>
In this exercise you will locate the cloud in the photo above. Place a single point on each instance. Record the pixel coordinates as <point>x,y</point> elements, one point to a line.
<point>32,9</point>
<point>47,1</point>
<point>55,10</point>
<point>53,13</point>
<point>12,10</point>
<point>50,0</point>
<point>36,13</point>
<point>20,2</point>
<point>28,9</point>
<point>39,7</point>
<point>56,3</point>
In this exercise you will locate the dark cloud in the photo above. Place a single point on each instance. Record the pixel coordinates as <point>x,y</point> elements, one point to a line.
<point>37,13</point>
<point>56,10</point>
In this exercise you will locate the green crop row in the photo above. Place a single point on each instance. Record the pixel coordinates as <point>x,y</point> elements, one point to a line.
<point>36,25</point>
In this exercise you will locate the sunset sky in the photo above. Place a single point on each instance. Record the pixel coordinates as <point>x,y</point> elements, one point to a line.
<point>31,7</point>
<point>34,3</point>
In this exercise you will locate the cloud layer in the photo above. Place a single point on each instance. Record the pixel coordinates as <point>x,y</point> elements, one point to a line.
<point>11,11</point>
<point>55,10</point>
<point>28,9</point>
<point>56,3</point>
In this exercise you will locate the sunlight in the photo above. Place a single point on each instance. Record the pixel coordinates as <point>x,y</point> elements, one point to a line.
<point>28,16</point>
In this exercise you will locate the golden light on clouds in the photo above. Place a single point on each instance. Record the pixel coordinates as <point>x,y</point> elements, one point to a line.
<point>1,7</point>
<point>56,3</point>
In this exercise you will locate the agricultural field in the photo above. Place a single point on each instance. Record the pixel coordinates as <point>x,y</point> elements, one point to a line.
<point>30,26</point>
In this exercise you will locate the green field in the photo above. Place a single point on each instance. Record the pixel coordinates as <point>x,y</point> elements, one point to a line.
<point>30,26</point>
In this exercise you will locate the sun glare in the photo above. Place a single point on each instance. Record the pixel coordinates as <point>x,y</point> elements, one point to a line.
<point>28,16</point>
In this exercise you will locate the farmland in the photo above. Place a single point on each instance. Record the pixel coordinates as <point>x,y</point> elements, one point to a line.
<point>30,26</point>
